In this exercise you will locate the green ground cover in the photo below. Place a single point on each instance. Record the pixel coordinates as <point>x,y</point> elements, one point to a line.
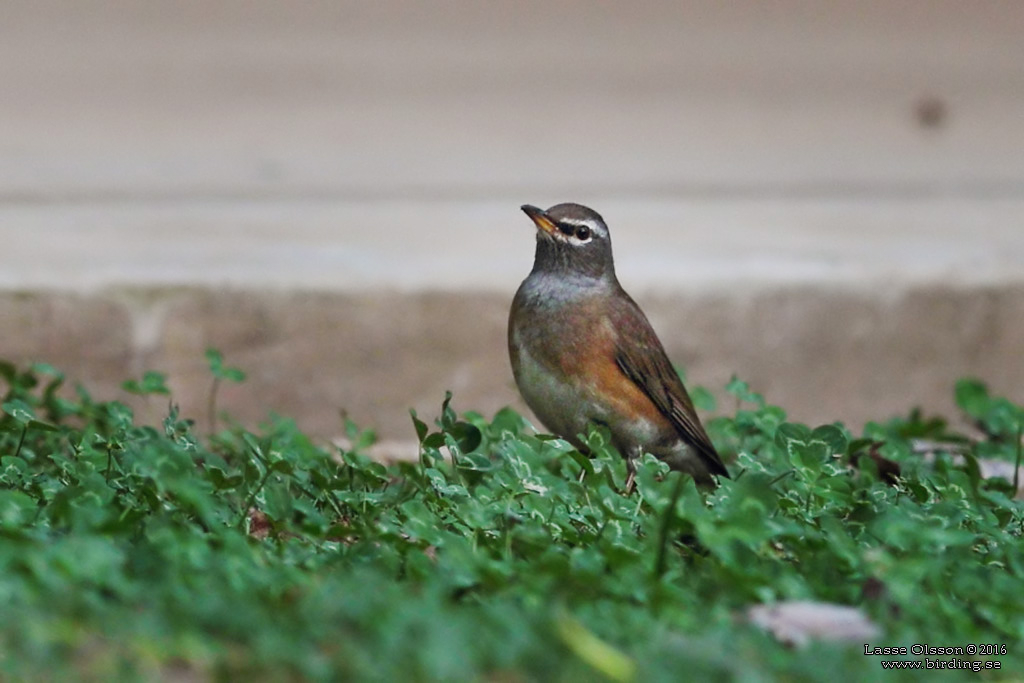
<point>156,551</point>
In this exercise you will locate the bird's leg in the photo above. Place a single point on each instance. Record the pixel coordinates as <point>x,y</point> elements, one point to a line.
<point>631,459</point>
<point>586,452</point>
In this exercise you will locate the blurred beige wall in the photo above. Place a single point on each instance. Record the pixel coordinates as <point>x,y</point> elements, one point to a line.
<point>826,198</point>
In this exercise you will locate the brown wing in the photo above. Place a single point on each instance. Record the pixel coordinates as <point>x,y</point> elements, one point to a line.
<point>642,358</point>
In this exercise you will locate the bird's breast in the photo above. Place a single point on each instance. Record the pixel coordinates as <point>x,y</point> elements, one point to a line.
<point>564,361</point>
<point>552,396</point>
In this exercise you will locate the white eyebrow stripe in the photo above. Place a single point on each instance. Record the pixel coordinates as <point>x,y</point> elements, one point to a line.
<point>581,222</point>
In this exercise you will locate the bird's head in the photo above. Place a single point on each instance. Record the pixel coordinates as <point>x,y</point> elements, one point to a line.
<point>571,240</point>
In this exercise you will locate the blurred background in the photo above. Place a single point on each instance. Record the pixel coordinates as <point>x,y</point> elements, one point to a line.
<point>823,198</point>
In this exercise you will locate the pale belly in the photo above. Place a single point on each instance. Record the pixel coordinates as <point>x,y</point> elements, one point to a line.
<point>568,407</point>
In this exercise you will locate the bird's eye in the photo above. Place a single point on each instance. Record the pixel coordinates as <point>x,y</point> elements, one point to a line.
<point>583,233</point>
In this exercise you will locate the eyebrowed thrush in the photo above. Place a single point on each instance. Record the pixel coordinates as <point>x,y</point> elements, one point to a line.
<point>583,353</point>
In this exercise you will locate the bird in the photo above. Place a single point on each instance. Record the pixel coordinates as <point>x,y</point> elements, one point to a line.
<point>583,353</point>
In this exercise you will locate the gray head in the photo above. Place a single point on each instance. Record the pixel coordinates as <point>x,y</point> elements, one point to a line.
<point>572,240</point>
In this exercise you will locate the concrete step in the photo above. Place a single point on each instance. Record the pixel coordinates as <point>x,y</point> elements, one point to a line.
<point>835,310</point>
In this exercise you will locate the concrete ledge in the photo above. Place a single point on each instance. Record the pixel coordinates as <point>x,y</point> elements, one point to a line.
<point>687,245</point>
<point>821,354</point>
